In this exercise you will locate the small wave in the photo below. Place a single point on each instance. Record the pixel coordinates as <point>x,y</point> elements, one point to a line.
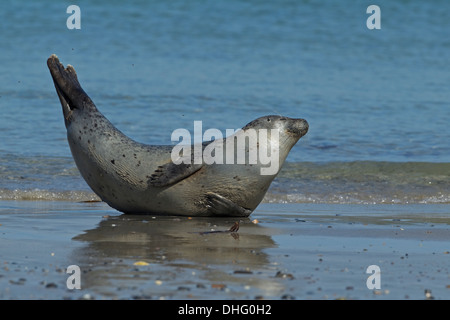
<point>47,195</point>
<point>362,182</point>
<point>355,198</point>
<point>359,182</point>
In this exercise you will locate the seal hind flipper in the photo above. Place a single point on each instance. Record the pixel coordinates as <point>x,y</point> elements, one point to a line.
<point>171,173</point>
<point>69,90</point>
<point>221,206</point>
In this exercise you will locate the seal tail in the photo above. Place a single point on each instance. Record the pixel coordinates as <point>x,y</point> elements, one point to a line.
<point>69,90</point>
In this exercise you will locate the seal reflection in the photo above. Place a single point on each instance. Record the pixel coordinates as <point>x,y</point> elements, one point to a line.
<point>187,258</point>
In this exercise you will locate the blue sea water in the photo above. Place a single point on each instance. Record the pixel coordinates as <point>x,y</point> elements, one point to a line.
<point>377,101</point>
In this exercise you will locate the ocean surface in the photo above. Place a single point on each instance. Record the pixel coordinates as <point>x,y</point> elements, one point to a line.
<point>377,101</point>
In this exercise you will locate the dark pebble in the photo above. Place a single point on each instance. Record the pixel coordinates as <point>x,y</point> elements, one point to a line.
<point>243,272</point>
<point>51,285</point>
<point>181,288</point>
<point>283,275</point>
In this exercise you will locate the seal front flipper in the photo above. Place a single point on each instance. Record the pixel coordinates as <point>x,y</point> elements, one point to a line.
<point>171,173</point>
<point>221,206</point>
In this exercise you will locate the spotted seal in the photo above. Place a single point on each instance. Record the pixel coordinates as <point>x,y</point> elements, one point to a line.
<point>144,179</point>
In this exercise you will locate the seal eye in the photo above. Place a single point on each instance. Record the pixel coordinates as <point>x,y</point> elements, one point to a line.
<point>268,119</point>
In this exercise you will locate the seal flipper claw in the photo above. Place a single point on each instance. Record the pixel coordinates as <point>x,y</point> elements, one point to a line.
<point>171,173</point>
<point>221,206</point>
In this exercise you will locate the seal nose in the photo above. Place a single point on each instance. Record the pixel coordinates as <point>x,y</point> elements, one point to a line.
<point>299,127</point>
<point>305,125</point>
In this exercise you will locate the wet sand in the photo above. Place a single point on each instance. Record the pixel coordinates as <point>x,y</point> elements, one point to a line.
<point>292,251</point>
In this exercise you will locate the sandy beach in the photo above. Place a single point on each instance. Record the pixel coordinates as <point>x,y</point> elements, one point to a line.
<point>282,251</point>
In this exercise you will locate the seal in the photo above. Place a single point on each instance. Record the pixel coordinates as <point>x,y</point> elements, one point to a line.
<point>137,178</point>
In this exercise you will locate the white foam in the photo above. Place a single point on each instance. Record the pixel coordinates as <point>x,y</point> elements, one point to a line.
<point>47,195</point>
